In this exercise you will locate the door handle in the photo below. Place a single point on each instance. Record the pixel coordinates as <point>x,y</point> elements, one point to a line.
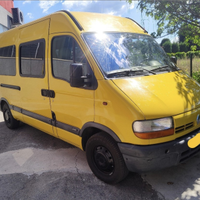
<point>48,93</point>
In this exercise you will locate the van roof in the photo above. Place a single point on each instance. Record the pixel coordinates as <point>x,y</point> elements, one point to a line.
<point>95,22</point>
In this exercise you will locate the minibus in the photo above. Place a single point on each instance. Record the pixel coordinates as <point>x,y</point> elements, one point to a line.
<point>102,84</point>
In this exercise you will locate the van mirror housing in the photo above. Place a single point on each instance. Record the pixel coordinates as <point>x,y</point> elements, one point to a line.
<point>76,74</point>
<point>173,59</point>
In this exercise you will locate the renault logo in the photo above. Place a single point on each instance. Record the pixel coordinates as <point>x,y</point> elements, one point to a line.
<point>198,118</point>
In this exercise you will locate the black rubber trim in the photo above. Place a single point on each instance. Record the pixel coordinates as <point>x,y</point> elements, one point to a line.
<point>137,24</point>
<point>47,120</point>
<point>36,116</point>
<point>101,127</point>
<point>68,128</point>
<point>11,86</point>
<point>73,19</point>
<point>145,158</point>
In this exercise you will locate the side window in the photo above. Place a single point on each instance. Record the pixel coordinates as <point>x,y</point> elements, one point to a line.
<point>32,56</point>
<point>80,58</point>
<point>62,56</point>
<point>65,51</point>
<point>8,61</point>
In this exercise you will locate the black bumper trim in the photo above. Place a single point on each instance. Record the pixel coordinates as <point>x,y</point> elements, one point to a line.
<point>158,156</point>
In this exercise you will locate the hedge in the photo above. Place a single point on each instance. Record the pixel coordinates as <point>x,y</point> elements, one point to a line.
<point>182,55</point>
<point>196,76</point>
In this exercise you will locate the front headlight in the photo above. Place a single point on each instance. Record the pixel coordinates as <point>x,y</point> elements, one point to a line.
<point>156,128</point>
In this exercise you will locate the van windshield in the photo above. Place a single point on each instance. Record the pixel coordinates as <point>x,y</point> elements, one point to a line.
<point>128,54</point>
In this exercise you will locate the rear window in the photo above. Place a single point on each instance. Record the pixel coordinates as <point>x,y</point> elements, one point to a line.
<point>32,57</point>
<point>8,61</point>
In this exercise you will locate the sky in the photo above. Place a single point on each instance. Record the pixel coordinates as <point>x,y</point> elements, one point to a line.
<point>33,10</point>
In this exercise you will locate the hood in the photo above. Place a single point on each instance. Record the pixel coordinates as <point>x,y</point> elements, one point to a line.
<point>162,95</point>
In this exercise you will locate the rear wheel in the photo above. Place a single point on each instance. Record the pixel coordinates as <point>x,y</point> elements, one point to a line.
<point>8,118</point>
<point>105,159</point>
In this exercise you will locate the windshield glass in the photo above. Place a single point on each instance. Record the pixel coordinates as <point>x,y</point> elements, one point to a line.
<point>119,53</point>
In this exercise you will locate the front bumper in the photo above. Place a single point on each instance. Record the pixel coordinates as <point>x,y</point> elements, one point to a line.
<point>158,156</point>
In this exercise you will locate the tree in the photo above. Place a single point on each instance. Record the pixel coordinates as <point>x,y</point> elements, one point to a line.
<point>167,46</point>
<point>183,47</point>
<point>164,40</point>
<point>174,16</point>
<point>175,47</point>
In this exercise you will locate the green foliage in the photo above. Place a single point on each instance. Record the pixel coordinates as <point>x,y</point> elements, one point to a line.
<point>182,55</point>
<point>175,47</point>
<point>194,54</point>
<point>196,76</point>
<point>179,55</point>
<point>164,40</point>
<point>183,47</point>
<point>167,46</point>
<point>192,36</point>
<point>197,54</point>
<point>174,16</point>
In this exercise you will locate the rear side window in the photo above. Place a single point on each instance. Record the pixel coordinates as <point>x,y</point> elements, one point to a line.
<point>32,57</point>
<point>8,61</point>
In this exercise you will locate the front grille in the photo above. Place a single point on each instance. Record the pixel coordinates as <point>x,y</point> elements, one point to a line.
<point>184,127</point>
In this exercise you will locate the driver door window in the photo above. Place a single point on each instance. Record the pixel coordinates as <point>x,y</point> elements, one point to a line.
<point>65,51</point>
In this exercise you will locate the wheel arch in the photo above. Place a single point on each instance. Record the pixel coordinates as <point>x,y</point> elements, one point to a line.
<point>92,128</point>
<point>2,101</point>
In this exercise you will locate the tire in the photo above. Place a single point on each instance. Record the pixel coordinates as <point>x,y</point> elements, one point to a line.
<point>10,122</point>
<point>105,159</point>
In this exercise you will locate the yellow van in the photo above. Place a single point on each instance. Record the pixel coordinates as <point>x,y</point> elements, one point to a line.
<point>102,84</point>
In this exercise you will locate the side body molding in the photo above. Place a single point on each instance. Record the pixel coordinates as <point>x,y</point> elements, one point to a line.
<point>101,127</point>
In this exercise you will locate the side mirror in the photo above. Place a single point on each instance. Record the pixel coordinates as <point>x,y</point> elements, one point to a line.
<point>76,74</point>
<point>173,59</point>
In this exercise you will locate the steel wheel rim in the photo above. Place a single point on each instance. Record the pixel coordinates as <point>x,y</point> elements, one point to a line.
<point>7,116</point>
<point>104,160</point>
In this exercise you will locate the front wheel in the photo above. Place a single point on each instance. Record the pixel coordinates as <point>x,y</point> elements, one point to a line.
<point>105,159</point>
<point>8,118</point>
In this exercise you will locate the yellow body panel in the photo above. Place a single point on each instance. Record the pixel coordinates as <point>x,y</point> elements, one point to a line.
<point>115,103</point>
<point>119,113</point>
<point>168,94</point>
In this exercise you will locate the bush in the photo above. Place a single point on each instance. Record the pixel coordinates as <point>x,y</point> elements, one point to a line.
<point>167,46</point>
<point>196,76</point>
<point>188,54</point>
<point>180,55</point>
<point>197,54</point>
<point>175,47</point>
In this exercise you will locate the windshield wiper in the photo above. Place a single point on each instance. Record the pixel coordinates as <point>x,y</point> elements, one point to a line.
<point>150,71</point>
<point>125,72</point>
<point>162,67</point>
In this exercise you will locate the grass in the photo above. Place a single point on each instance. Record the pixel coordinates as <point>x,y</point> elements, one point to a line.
<point>184,64</point>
